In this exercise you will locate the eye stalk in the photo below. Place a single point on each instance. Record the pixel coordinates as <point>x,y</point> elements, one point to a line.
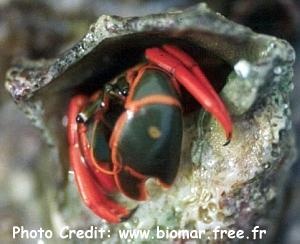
<point>85,115</point>
<point>117,91</point>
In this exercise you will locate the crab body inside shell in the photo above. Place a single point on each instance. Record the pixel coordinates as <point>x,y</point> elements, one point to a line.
<point>131,130</point>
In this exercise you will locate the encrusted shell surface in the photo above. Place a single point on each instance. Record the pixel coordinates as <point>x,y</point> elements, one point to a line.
<point>237,186</point>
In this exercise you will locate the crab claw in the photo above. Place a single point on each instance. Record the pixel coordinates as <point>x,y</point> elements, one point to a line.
<point>189,75</point>
<point>92,193</point>
<point>97,168</point>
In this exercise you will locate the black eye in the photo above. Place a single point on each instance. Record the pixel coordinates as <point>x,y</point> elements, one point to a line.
<point>80,119</point>
<point>124,91</point>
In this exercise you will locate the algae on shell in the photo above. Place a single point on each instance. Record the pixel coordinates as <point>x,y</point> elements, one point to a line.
<point>237,186</point>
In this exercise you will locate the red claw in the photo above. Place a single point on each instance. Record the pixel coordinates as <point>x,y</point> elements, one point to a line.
<point>189,74</point>
<point>92,193</point>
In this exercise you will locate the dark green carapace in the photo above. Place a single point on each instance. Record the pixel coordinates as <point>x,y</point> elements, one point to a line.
<point>150,142</point>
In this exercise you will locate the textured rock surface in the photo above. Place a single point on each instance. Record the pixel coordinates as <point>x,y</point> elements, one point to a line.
<point>236,186</point>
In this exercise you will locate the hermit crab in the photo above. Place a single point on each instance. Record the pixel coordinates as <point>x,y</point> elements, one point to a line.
<point>131,129</point>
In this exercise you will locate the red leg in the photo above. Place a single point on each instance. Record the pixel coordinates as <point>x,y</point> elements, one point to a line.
<point>193,66</point>
<point>94,197</point>
<point>106,181</point>
<point>194,83</point>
